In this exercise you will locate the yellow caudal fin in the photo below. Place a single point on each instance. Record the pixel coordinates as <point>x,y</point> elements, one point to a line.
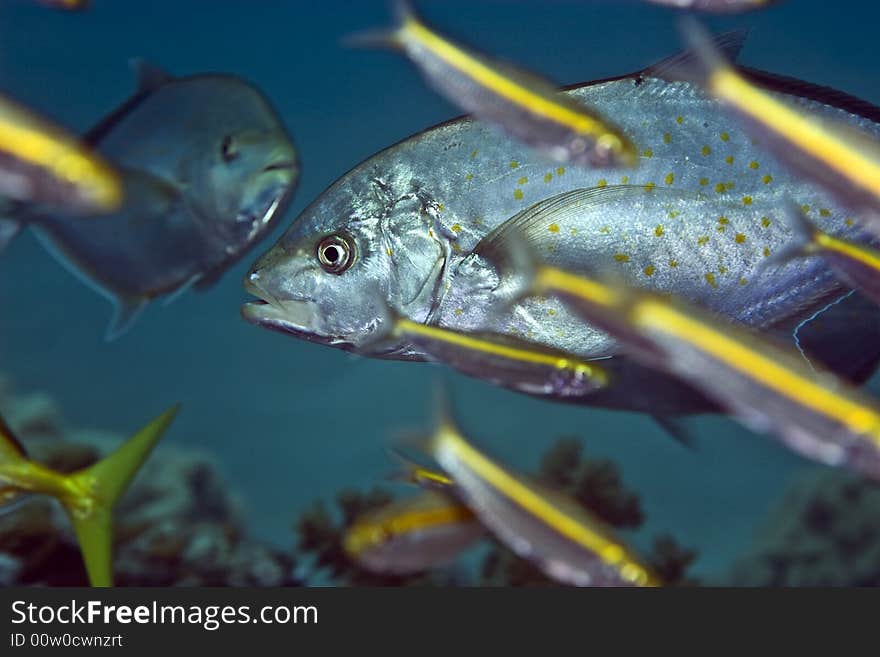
<point>96,490</point>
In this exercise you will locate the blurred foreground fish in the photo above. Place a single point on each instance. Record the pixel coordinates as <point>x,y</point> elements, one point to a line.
<point>528,108</point>
<point>717,6</point>
<point>766,386</point>
<point>68,5</point>
<point>88,496</point>
<point>506,361</point>
<point>40,163</point>
<point>565,541</point>
<point>207,168</point>
<point>412,535</point>
<point>834,154</point>
<point>856,264</point>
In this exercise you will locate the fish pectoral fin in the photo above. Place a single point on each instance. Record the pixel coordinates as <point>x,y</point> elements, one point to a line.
<point>9,228</point>
<point>193,282</point>
<point>125,314</point>
<point>149,76</point>
<point>686,65</point>
<point>802,243</point>
<point>534,225</point>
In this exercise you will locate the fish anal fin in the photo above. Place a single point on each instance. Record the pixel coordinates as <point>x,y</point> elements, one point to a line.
<point>9,228</point>
<point>125,314</point>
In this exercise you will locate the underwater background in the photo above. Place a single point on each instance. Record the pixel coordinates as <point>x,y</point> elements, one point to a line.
<point>291,422</point>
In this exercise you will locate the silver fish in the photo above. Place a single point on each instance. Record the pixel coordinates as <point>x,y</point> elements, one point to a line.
<point>416,228</point>
<point>717,6</point>
<point>207,168</point>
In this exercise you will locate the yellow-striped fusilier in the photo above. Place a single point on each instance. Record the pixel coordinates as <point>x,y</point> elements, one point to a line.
<point>506,361</point>
<point>549,529</point>
<point>856,264</point>
<point>41,163</point>
<point>88,496</point>
<point>412,535</point>
<point>768,387</point>
<point>525,106</point>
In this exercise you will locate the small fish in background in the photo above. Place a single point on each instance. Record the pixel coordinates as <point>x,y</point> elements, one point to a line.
<point>768,387</point>
<point>412,535</point>
<point>506,361</point>
<point>42,164</point>
<point>411,472</point>
<point>66,5</point>
<point>717,6</point>
<point>523,105</point>
<point>856,264</point>
<point>541,525</point>
<point>839,157</point>
<point>89,495</point>
<point>207,168</point>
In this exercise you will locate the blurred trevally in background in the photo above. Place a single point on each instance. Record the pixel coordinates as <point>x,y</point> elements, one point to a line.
<point>206,166</point>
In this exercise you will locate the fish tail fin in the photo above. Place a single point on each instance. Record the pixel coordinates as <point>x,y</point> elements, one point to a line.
<point>392,38</point>
<point>126,311</point>
<point>802,242</point>
<point>9,228</point>
<point>97,489</point>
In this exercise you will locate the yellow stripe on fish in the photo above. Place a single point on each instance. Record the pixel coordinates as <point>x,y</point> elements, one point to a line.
<point>31,140</point>
<point>595,373</point>
<point>447,440</point>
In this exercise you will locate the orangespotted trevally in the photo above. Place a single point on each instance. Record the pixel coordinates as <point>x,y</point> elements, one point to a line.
<point>207,168</point>
<point>88,496</point>
<point>412,535</point>
<point>526,107</point>
<point>541,525</point>
<point>415,228</point>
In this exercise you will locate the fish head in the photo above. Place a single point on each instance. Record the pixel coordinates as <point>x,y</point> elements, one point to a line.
<point>243,167</point>
<point>362,254</point>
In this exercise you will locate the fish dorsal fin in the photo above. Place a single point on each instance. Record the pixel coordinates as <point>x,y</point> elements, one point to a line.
<point>530,225</point>
<point>10,446</point>
<point>9,228</point>
<point>149,76</point>
<point>682,65</point>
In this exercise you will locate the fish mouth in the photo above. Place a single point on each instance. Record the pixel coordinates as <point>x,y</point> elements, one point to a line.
<point>295,317</point>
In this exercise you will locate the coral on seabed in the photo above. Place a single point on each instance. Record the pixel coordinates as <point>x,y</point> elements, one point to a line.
<point>177,525</point>
<point>824,532</point>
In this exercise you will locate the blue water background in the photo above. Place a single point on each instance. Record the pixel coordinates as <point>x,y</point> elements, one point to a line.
<point>289,421</point>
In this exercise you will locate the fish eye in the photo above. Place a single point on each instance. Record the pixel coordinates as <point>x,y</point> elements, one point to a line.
<point>227,149</point>
<point>336,253</point>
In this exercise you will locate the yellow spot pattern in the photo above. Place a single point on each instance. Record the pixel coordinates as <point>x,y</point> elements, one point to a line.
<point>514,164</point>
<point>560,171</point>
<point>548,177</point>
<point>766,251</point>
<point>673,263</point>
<point>754,164</point>
<point>740,238</point>
<point>679,120</point>
<point>704,182</point>
<point>469,177</point>
<point>517,194</point>
<point>658,231</point>
<point>602,183</point>
<point>710,279</point>
<point>553,228</point>
<point>473,153</point>
<point>456,228</point>
<point>743,281</point>
<point>621,257</point>
<point>624,180</point>
<point>724,136</point>
<point>706,150</point>
<point>825,212</point>
<point>667,138</point>
<point>649,187</point>
<point>767,179</point>
<point>522,181</point>
<point>670,178</point>
<point>729,159</point>
<point>648,153</point>
<point>720,188</point>
<point>765,222</point>
<point>702,241</point>
<point>747,200</point>
<point>649,270</point>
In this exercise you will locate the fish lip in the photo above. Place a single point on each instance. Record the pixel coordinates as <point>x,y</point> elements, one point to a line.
<point>281,165</point>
